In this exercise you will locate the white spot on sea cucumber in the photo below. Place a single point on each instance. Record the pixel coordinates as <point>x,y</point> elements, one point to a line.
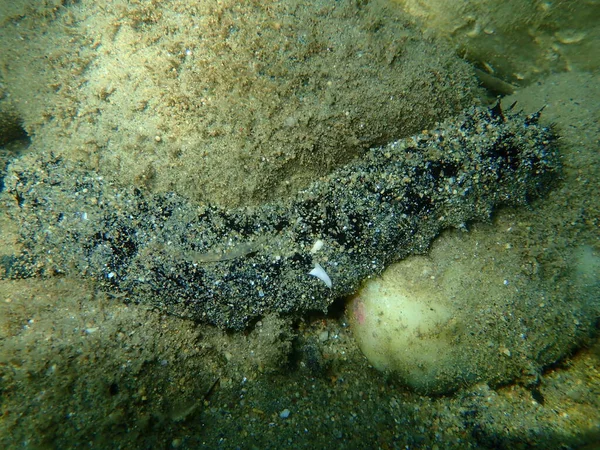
<point>320,273</point>
<point>318,245</point>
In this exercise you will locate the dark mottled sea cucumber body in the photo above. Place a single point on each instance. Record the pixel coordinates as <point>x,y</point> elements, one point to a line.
<point>228,267</point>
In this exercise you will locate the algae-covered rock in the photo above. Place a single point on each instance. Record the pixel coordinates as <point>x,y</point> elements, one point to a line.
<point>519,42</point>
<point>229,102</point>
<point>473,311</point>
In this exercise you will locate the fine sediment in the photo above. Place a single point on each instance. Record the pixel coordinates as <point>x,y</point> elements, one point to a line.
<point>229,267</point>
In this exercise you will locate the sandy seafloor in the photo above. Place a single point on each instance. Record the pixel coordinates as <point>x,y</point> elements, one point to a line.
<point>81,369</point>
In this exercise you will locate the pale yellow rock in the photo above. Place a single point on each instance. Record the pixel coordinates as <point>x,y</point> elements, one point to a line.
<point>403,323</point>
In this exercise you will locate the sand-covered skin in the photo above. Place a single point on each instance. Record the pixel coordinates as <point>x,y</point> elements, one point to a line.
<point>231,102</point>
<point>229,267</point>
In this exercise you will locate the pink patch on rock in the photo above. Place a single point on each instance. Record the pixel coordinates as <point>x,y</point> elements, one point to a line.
<point>358,310</point>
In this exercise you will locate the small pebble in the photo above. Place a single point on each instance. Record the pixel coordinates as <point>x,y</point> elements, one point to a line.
<point>323,335</point>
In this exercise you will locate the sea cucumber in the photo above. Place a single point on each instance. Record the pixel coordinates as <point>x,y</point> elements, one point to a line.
<point>148,248</point>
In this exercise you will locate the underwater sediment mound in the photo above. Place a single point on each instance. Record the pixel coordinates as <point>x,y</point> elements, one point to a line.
<point>231,103</point>
<point>229,266</point>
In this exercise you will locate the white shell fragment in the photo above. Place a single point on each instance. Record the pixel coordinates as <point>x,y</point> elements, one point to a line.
<point>320,273</point>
